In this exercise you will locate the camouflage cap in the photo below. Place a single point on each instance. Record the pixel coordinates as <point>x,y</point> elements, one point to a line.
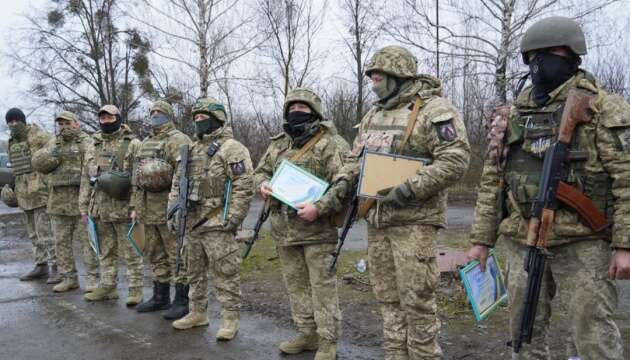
<point>304,95</point>
<point>67,115</point>
<point>163,107</point>
<point>393,60</point>
<point>551,32</point>
<point>110,109</point>
<point>210,106</point>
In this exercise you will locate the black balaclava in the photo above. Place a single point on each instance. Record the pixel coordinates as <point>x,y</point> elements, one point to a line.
<point>207,126</point>
<point>548,71</point>
<point>111,127</point>
<point>301,126</point>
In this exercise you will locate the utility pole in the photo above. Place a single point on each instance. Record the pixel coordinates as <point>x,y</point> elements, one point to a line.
<point>437,38</point>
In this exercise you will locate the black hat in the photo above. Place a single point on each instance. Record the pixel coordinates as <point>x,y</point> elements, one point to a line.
<point>15,114</point>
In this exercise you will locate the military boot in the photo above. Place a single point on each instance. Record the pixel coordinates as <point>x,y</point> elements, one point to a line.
<point>39,271</point>
<point>229,327</point>
<point>327,350</point>
<point>102,293</point>
<point>161,299</point>
<point>54,277</point>
<point>67,284</point>
<point>306,340</point>
<point>134,297</point>
<point>191,320</point>
<point>179,307</point>
<point>91,283</point>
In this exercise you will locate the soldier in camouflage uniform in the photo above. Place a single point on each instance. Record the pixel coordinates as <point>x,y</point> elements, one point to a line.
<point>153,173</point>
<point>403,224</point>
<point>580,275</point>
<point>32,192</point>
<point>217,163</point>
<point>104,196</point>
<point>307,237</point>
<point>62,159</point>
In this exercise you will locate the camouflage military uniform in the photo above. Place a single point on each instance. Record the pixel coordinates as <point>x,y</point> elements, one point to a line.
<point>63,201</point>
<point>402,238</point>
<point>577,273</point>
<point>31,192</point>
<point>304,247</point>
<point>106,153</point>
<point>215,160</point>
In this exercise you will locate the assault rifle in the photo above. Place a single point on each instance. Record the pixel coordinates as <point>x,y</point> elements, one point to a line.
<point>181,205</point>
<point>347,224</point>
<point>262,217</point>
<point>552,190</point>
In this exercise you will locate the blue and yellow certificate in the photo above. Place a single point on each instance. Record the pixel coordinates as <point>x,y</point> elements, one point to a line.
<point>293,185</point>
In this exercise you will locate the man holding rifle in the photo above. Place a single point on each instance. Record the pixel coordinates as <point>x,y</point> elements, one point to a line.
<point>555,186</point>
<point>219,190</point>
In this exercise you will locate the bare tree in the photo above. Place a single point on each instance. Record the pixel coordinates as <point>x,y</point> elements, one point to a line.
<point>290,27</point>
<point>215,33</point>
<point>81,58</point>
<point>362,33</point>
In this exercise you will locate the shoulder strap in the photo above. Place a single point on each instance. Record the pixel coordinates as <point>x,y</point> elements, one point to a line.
<point>411,122</point>
<point>304,149</point>
<point>122,151</point>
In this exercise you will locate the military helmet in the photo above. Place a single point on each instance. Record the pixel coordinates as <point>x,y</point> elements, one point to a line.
<point>163,107</point>
<point>43,161</point>
<point>154,175</point>
<point>304,95</point>
<point>210,106</point>
<point>551,32</point>
<point>115,184</point>
<point>8,196</point>
<point>393,60</point>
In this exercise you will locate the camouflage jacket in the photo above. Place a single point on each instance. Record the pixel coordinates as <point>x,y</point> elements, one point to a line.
<point>30,187</point>
<point>101,156</point>
<point>65,180</point>
<point>214,160</point>
<point>439,135</point>
<point>324,160</point>
<point>150,207</point>
<point>603,174</point>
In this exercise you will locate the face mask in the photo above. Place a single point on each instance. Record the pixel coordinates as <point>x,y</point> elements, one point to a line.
<point>68,134</point>
<point>297,123</point>
<point>386,88</point>
<point>111,127</point>
<point>18,130</point>
<point>548,72</point>
<point>158,120</point>
<point>206,126</point>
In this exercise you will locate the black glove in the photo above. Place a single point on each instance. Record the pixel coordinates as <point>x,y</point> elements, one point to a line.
<point>398,196</point>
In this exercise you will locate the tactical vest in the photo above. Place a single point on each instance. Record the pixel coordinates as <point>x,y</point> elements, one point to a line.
<point>68,173</point>
<point>153,147</point>
<point>531,133</point>
<point>20,155</point>
<point>113,158</point>
<point>206,173</point>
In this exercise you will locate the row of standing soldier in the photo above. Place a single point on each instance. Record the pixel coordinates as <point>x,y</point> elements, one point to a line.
<point>113,177</point>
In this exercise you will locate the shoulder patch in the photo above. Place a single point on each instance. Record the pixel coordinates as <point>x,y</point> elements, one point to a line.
<point>446,130</point>
<point>237,168</point>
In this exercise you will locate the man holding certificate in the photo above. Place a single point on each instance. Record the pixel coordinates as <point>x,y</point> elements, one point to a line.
<point>410,119</point>
<point>311,154</point>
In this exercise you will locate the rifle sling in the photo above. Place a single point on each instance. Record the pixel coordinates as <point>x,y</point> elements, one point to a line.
<point>366,205</point>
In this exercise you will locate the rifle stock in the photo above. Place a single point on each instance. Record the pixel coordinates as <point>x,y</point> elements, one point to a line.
<point>262,217</point>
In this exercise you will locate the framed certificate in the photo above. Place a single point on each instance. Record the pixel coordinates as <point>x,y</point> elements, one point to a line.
<point>485,290</point>
<point>293,185</point>
<point>381,171</point>
<point>92,237</point>
<point>135,236</point>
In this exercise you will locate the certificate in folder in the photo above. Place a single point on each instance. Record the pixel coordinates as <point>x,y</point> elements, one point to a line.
<point>92,237</point>
<point>135,236</point>
<point>293,185</point>
<point>381,171</point>
<point>485,290</point>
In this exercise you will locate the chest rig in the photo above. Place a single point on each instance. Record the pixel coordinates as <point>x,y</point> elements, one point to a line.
<point>111,157</point>
<point>68,173</point>
<point>20,155</point>
<point>207,173</point>
<point>153,147</point>
<point>531,133</point>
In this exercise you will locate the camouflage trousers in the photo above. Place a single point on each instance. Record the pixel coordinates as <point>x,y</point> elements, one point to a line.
<point>69,229</point>
<point>112,237</point>
<point>215,252</point>
<point>404,274</point>
<point>575,283</point>
<point>41,235</point>
<point>161,251</point>
<point>312,290</point>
